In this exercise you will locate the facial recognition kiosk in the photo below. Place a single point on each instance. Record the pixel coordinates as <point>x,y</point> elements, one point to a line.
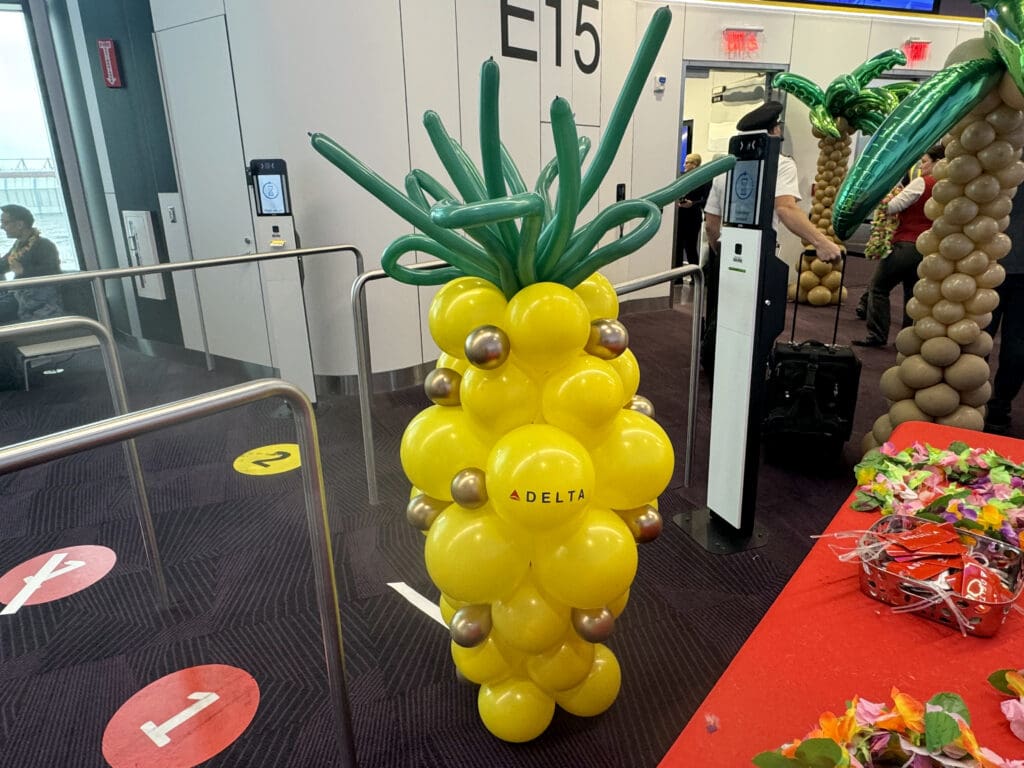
<point>751,314</point>
<point>281,278</point>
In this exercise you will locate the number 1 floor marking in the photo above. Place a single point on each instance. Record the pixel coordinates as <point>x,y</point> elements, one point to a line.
<point>158,733</point>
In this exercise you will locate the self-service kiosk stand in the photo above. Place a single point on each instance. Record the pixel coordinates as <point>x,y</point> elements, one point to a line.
<point>751,314</point>
<point>281,278</point>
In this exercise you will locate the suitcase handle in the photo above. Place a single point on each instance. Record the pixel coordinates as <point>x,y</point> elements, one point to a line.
<point>839,304</point>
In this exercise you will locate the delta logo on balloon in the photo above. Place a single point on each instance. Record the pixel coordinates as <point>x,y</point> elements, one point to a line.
<point>545,497</point>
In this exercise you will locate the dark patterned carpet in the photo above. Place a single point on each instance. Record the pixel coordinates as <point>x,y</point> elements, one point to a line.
<point>237,559</point>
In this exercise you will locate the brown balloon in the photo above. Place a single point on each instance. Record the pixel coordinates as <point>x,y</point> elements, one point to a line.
<point>881,430</point>
<point>469,488</point>
<point>959,210</point>
<point>1004,118</point>
<point>973,263</point>
<point>978,135</point>
<point>929,328</point>
<point>933,266</point>
<point>957,287</point>
<point>422,511</point>
<point>981,228</point>
<point>608,339</point>
<point>470,625</point>
<point>964,331</point>
<point>948,312</point>
<point>487,347</point>
<point>908,342</point>
<point>992,277</point>
<point>963,169</point>
<point>927,291</point>
<point>997,155</point>
<point>985,187</point>
<point>983,301</point>
<point>593,625</point>
<point>442,386</point>
<point>641,404</point>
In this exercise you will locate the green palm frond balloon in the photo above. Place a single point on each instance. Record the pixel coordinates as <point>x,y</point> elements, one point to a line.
<point>514,236</point>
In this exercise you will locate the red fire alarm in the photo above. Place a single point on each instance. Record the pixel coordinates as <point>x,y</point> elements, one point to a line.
<point>917,51</point>
<point>741,42</point>
<point>109,68</point>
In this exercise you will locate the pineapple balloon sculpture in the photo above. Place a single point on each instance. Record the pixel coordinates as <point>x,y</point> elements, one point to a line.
<point>846,106</point>
<point>976,106</point>
<point>537,470</point>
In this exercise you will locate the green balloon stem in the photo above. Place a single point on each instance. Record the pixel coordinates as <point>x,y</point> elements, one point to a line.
<point>437,276</point>
<point>558,231</point>
<point>580,269</point>
<point>622,112</point>
<point>513,178</point>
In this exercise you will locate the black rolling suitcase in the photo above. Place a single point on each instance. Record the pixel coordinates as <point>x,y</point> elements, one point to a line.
<point>811,396</point>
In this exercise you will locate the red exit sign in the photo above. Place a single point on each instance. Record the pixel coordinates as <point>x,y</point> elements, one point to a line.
<point>741,43</point>
<point>109,68</point>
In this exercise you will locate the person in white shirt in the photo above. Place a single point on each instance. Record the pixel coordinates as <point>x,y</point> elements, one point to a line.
<point>787,193</point>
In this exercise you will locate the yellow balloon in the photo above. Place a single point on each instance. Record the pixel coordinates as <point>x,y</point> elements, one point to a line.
<point>484,663</point>
<point>618,605</point>
<point>563,667</point>
<point>629,372</point>
<point>498,401</point>
<point>634,463</point>
<point>589,565</point>
<point>437,444</point>
<point>599,295</point>
<point>449,605</point>
<point>457,364</point>
<point>547,325</point>
<point>515,710</point>
<point>595,694</point>
<point>462,306</point>
<point>539,476</point>
<point>529,620</point>
<point>473,556</point>
<point>583,398</point>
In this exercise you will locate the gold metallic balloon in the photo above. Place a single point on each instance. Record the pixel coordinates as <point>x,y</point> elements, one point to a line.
<point>422,510</point>
<point>594,625</point>
<point>470,625</point>
<point>608,339</point>
<point>643,522</point>
<point>641,404</point>
<point>442,386</point>
<point>487,347</point>
<point>469,488</point>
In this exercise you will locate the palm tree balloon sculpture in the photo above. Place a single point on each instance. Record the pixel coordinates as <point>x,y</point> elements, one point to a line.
<point>538,468</point>
<point>846,106</point>
<point>976,106</point>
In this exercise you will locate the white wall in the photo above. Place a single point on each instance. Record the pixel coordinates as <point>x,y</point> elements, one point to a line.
<point>365,72</point>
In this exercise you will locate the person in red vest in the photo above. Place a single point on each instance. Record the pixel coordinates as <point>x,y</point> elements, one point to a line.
<point>900,266</point>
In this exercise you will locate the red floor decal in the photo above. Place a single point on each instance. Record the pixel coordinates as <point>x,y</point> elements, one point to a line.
<point>54,575</point>
<point>182,719</point>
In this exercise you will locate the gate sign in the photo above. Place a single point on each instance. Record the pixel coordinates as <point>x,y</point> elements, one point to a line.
<point>54,575</point>
<point>182,719</point>
<point>108,64</point>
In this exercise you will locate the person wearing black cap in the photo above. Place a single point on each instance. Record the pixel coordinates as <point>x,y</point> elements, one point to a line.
<point>787,193</point>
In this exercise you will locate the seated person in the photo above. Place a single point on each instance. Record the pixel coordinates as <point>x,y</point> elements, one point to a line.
<point>30,256</point>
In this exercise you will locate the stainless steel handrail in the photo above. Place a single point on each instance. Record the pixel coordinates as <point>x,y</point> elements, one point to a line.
<point>98,276</point>
<point>697,274</point>
<point>365,372</point>
<point>130,425</point>
<point>118,393</point>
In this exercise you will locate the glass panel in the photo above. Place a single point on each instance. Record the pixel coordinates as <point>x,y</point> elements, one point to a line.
<point>28,166</point>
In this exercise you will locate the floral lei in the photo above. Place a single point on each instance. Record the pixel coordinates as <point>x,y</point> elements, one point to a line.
<point>904,733</point>
<point>21,247</point>
<point>971,488</point>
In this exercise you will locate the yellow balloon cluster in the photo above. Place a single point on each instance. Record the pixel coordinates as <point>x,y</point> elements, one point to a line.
<point>535,475</point>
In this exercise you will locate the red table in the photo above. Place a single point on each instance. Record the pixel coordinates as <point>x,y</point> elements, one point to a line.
<point>823,641</point>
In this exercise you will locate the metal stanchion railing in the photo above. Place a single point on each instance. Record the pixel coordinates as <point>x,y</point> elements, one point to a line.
<point>695,272</point>
<point>365,372</point>
<point>98,276</point>
<point>364,369</point>
<point>131,425</point>
<point>115,380</point>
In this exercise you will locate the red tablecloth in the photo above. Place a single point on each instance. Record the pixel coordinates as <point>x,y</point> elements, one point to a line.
<point>823,641</point>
